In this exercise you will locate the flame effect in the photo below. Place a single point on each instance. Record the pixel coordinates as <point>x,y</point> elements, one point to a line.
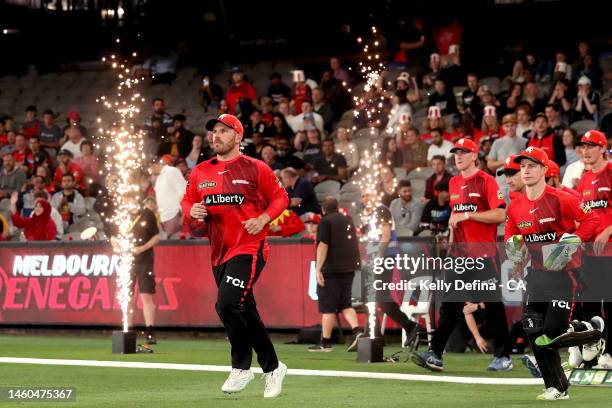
<point>372,318</point>
<point>124,157</point>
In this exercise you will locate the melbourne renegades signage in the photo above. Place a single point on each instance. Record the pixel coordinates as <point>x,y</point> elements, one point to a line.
<point>70,283</point>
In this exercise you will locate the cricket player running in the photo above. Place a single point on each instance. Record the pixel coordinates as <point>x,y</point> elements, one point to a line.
<point>235,197</point>
<point>540,216</point>
<point>477,207</point>
<point>595,188</point>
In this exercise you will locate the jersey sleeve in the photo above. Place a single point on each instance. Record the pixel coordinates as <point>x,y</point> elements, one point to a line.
<point>191,195</point>
<point>575,209</point>
<point>495,198</point>
<point>272,190</point>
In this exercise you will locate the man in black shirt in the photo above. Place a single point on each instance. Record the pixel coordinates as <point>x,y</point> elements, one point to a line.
<point>284,155</point>
<point>331,166</point>
<point>302,198</point>
<point>337,259</point>
<point>277,89</point>
<point>443,98</point>
<point>437,212</point>
<point>469,99</point>
<point>146,236</point>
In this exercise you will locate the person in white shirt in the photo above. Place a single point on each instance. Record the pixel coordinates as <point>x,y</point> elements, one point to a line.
<point>439,146</point>
<point>348,149</point>
<point>308,113</point>
<point>75,139</point>
<point>169,188</point>
<point>574,171</point>
<point>523,115</point>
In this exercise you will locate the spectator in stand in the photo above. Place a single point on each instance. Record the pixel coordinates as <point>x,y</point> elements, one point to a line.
<point>339,73</point>
<point>170,187</point>
<point>12,177</point>
<point>65,166</point>
<point>75,139</point>
<point>331,165</point>
<point>89,163</point>
<point>388,185</point>
<point>470,101</point>
<point>486,98</point>
<point>321,108</point>
<point>284,155</point>
<point>31,125</point>
<point>39,227</point>
<point>503,147</point>
<point>255,146</point>
<point>606,122</point>
<point>268,156</point>
<point>266,110</point>
<point>586,103</point>
<point>405,83</point>
<point>181,135</point>
<point>37,157</point>
<point>21,151</point>
<point>439,174</point>
<point>45,173</point>
<point>437,211</point>
<point>3,131</point>
<point>254,125</point>
<point>523,117</point>
<point>401,110</point>
<point>465,128</point>
<point>308,116</point>
<point>35,185</point>
<point>552,113</point>
<point>490,123</point>
<point>49,134</point>
<point>434,121</point>
<point>309,144</point>
<point>159,113</point>
<point>435,71</point>
<point>9,147</point>
<point>561,97</point>
<point>73,120</point>
<point>532,97</point>
<point>280,128</point>
<point>414,150</point>
<point>278,90</point>
<point>198,152</point>
<point>406,211</point>
<point>301,93</point>
<point>543,136</point>
<point>453,72</point>
<point>515,95</point>
<point>347,149</point>
<point>443,98</point>
<point>69,202</point>
<point>569,138</point>
<point>302,198</point>
<point>588,69</point>
<point>439,146</point>
<point>574,171</point>
<point>390,154</point>
<point>210,94</point>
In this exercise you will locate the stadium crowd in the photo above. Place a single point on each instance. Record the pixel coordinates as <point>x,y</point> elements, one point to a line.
<point>309,133</point>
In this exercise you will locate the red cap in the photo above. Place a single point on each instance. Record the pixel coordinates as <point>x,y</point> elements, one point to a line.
<point>535,154</point>
<point>74,115</point>
<point>230,121</point>
<point>167,159</point>
<point>466,145</point>
<point>553,169</point>
<point>594,138</point>
<point>510,167</point>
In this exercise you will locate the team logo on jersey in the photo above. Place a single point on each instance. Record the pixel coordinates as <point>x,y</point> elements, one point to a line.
<point>545,220</point>
<point>586,193</point>
<point>207,184</point>
<point>455,196</point>
<point>465,207</point>
<point>597,204</point>
<point>524,224</point>
<point>224,199</point>
<point>541,237</point>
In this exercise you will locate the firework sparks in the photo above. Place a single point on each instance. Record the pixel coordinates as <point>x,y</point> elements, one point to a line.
<point>124,156</point>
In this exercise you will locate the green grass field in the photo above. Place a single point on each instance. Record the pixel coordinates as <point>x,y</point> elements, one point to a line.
<point>130,387</point>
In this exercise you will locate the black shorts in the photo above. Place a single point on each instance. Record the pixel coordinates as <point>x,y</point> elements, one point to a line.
<point>335,296</point>
<point>144,275</point>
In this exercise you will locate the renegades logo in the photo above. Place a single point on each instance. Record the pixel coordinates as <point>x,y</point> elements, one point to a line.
<point>207,184</point>
<point>597,204</point>
<point>465,208</point>
<point>541,237</point>
<point>224,199</point>
<point>524,224</point>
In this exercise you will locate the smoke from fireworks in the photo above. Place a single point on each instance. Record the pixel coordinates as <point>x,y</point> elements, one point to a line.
<point>124,157</point>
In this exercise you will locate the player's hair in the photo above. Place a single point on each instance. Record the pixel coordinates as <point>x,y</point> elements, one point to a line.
<point>157,99</point>
<point>439,157</point>
<point>69,175</point>
<point>330,204</point>
<point>289,171</point>
<point>41,194</point>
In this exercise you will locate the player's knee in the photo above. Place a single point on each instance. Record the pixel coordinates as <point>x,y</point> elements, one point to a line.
<point>224,308</point>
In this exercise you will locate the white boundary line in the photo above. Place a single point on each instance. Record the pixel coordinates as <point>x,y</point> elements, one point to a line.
<point>292,371</point>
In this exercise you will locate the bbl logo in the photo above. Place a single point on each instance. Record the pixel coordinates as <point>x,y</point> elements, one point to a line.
<point>207,184</point>
<point>524,224</point>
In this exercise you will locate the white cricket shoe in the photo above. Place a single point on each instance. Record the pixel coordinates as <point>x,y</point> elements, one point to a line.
<point>605,362</point>
<point>575,357</point>
<point>553,394</point>
<point>593,350</point>
<point>274,381</point>
<point>237,381</point>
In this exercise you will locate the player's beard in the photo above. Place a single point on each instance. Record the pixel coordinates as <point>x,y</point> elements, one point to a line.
<point>223,148</point>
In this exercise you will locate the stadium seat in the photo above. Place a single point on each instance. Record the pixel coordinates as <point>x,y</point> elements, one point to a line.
<point>492,82</point>
<point>327,188</point>
<point>583,126</point>
<point>420,173</point>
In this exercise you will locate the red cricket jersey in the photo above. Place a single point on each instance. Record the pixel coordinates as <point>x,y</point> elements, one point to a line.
<point>234,191</point>
<point>595,190</point>
<point>476,193</point>
<point>235,93</point>
<point>545,219</point>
